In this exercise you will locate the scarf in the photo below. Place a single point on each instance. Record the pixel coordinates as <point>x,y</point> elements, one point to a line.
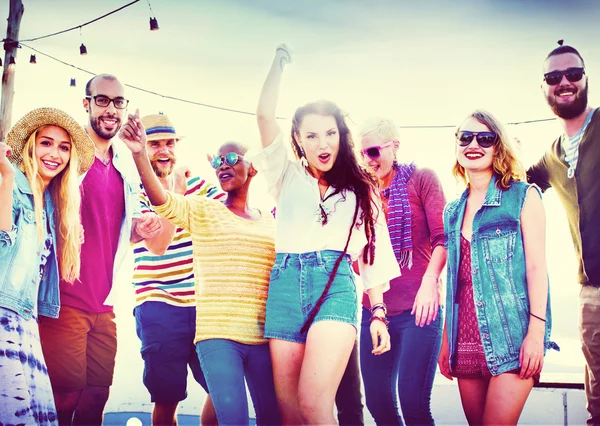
<point>399,218</point>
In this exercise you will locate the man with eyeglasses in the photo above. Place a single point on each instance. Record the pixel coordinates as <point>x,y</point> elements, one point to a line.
<point>571,167</point>
<point>80,346</point>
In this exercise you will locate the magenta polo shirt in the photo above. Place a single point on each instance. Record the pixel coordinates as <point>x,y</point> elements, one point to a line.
<point>102,213</point>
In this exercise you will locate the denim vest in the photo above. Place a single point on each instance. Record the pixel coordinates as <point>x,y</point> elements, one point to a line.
<point>20,257</point>
<point>498,273</point>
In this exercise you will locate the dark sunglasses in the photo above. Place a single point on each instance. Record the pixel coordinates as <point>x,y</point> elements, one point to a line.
<point>484,139</point>
<point>230,159</point>
<point>555,77</point>
<point>374,152</point>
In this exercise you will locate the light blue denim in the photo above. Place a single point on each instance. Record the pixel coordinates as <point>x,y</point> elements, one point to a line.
<point>20,257</point>
<point>297,282</point>
<point>225,364</point>
<point>499,275</point>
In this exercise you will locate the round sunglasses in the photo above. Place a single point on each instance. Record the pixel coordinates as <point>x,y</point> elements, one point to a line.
<point>231,159</point>
<point>484,139</point>
<point>555,77</point>
<point>374,152</point>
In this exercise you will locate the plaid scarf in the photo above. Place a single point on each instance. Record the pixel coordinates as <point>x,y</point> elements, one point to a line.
<point>399,218</point>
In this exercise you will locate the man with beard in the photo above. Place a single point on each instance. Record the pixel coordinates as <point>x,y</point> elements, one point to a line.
<point>570,166</point>
<point>165,311</point>
<point>80,346</point>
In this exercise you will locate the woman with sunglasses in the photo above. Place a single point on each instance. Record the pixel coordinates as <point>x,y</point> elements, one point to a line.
<point>498,302</point>
<point>413,201</point>
<point>328,213</point>
<point>233,246</point>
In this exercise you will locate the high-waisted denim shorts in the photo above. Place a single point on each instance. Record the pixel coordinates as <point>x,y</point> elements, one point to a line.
<point>297,281</point>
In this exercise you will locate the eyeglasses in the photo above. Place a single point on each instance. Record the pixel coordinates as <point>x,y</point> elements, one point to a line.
<point>484,139</point>
<point>374,152</point>
<point>104,101</point>
<point>555,77</point>
<point>231,159</point>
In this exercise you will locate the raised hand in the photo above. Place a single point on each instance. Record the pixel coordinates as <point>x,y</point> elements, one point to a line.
<point>134,134</point>
<point>6,168</point>
<point>182,174</point>
<point>283,55</point>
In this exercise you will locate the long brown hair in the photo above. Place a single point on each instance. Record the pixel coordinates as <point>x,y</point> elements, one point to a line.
<point>345,175</point>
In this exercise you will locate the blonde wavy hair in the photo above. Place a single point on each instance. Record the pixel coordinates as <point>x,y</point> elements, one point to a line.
<point>64,190</point>
<point>506,166</point>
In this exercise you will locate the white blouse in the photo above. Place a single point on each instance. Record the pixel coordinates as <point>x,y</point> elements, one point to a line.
<point>298,224</point>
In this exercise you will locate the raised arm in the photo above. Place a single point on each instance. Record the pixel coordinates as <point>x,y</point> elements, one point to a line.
<point>134,136</point>
<point>267,103</point>
<point>7,175</point>
<point>533,228</point>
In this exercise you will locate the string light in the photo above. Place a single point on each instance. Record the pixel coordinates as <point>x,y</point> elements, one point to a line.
<point>187,101</point>
<point>73,83</point>
<point>82,48</point>
<point>153,21</point>
<point>0,62</point>
<point>11,61</point>
<point>76,27</point>
<point>32,59</point>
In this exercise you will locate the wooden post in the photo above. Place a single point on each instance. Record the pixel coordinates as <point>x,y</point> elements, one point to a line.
<point>8,74</point>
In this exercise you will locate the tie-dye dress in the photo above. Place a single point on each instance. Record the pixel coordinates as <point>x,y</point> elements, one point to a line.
<point>25,391</point>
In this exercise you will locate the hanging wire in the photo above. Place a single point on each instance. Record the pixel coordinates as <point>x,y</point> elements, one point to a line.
<point>150,6</point>
<point>220,108</point>
<point>78,26</point>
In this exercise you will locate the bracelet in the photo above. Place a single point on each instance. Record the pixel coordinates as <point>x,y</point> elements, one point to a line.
<point>378,306</point>
<point>431,276</point>
<point>535,316</point>
<point>384,320</point>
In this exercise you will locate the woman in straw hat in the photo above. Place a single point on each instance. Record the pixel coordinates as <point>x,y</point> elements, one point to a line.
<point>40,164</point>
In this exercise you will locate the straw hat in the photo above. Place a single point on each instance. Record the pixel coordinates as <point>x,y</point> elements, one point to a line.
<point>33,120</point>
<point>158,126</point>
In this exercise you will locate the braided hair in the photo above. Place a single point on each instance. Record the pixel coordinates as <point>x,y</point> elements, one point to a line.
<point>345,175</point>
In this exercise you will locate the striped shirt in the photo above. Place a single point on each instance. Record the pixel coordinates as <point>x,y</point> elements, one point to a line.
<point>169,278</point>
<point>233,258</point>
<point>571,146</point>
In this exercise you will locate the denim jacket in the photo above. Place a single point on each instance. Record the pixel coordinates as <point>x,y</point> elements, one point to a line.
<point>20,257</point>
<point>498,273</point>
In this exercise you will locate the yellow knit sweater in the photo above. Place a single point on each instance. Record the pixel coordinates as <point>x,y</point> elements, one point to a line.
<point>233,258</point>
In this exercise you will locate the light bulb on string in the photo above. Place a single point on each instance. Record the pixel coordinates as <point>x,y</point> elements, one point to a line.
<point>32,59</point>
<point>153,20</point>
<point>73,83</point>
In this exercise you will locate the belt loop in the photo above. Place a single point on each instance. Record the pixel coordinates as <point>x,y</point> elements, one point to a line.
<point>319,256</point>
<point>284,261</point>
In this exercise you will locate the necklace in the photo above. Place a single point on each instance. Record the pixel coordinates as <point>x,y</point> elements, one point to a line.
<point>323,211</point>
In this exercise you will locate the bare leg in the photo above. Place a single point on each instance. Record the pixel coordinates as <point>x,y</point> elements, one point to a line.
<point>506,397</point>
<point>209,415</point>
<point>473,394</point>
<point>90,409</point>
<point>287,361</point>
<point>328,348</point>
<point>164,414</point>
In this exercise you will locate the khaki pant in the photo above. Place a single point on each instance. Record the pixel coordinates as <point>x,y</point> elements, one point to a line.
<point>589,330</point>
